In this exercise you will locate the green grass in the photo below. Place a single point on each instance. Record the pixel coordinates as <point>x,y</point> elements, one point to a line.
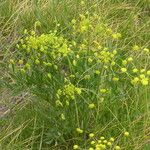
<point>59,57</point>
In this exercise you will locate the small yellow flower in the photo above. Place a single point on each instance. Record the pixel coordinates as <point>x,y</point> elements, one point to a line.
<point>142,76</point>
<point>91,135</point>
<point>75,147</point>
<point>79,130</point>
<point>112,139</point>
<point>116,36</point>
<point>130,59</point>
<point>33,33</point>
<point>146,50</point>
<point>144,81</point>
<point>11,61</point>
<point>97,72</point>
<point>77,56</point>
<point>135,47</point>
<point>148,72</point>
<point>98,146</point>
<point>22,70</point>
<point>109,143</point>
<point>78,90</point>
<point>114,52</point>
<point>117,147</point>
<point>27,66</point>
<point>72,76</point>
<point>82,3</point>
<point>20,62</point>
<point>123,70</point>
<point>49,75</point>
<point>105,141</point>
<point>99,141</point>
<point>74,62</point>
<point>103,90</point>
<point>102,138</point>
<point>135,70</point>
<point>135,80</point>
<point>109,30</point>
<point>113,63</point>
<point>99,47</point>
<point>115,79</point>
<point>103,146</point>
<point>63,117</point>
<point>126,133</point>
<point>92,142</point>
<point>73,21</point>
<point>92,105</point>
<point>124,62</point>
<point>142,70</point>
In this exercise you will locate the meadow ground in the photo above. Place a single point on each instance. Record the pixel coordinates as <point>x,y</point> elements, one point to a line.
<point>74,74</point>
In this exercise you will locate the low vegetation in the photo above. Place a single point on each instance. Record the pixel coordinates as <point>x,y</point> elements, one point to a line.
<point>79,73</point>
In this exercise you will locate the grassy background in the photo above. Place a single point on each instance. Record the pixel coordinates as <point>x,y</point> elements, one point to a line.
<point>31,126</point>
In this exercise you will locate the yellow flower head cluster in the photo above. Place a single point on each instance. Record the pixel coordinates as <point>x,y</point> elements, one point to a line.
<point>106,56</point>
<point>102,143</point>
<point>79,130</point>
<point>42,50</point>
<point>91,106</point>
<point>116,36</point>
<point>68,92</point>
<point>143,78</point>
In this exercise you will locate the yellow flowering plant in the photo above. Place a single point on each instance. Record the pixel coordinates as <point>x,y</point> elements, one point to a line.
<point>84,80</point>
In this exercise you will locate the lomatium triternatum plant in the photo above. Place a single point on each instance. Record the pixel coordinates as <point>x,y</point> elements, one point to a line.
<point>89,78</point>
